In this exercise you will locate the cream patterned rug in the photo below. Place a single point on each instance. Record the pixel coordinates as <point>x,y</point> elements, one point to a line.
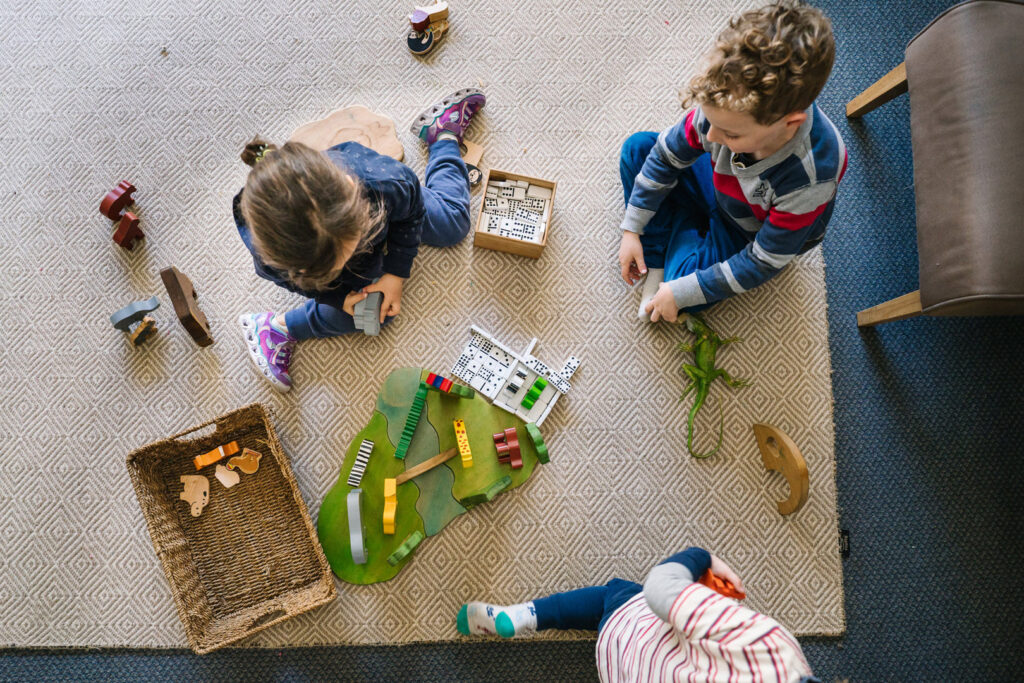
<point>165,94</point>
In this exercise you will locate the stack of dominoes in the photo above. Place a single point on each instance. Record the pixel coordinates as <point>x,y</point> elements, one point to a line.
<point>516,209</point>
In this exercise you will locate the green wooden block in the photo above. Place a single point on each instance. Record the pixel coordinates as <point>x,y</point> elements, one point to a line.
<point>408,545</point>
<point>540,384</point>
<point>487,494</point>
<point>538,442</point>
<point>461,390</point>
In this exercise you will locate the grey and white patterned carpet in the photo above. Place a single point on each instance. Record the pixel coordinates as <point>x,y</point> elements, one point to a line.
<point>164,94</point>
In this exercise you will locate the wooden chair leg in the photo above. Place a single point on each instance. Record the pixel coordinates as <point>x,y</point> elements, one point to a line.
<point>889,86</point>
<point>906,306</point>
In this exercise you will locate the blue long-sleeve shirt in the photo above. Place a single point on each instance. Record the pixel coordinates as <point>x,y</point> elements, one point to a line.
<point>781,203</point>
<point>388,183</point>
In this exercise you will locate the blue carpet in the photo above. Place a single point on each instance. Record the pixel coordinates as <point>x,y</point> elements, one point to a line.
<point>928,419</point>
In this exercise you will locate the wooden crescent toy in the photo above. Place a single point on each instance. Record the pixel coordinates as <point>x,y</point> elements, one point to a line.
<point>196,493</point>
<point>352,124</point>
<point>248,461</point>
<point>779,453</point>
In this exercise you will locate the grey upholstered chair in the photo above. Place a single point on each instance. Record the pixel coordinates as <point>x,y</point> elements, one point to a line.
<point>965,74</point>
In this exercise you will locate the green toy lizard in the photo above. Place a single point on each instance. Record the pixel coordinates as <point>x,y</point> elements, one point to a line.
<point>703,374</point>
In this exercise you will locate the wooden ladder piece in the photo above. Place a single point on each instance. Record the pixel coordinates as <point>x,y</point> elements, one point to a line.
<point>780,453</point>
<point>183,298</point>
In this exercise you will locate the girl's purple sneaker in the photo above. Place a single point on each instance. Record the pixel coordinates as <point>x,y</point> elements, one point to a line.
<point>269,348</point>
<point>450,115</point>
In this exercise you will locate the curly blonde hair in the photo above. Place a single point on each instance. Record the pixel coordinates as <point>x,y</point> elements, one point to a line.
<point>768,63</point>
<point>301,208</point>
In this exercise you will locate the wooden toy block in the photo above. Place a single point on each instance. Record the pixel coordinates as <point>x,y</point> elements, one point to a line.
<point>413,419</point>
<point>227,477</point>
<point>196,493</point>
<point>518,193</point>
<point>405,549</point>
<point>216,454</point>
<point>780,453</point>
<point>503,451</point>
<point>115,201</point>
<point>359,464</point>
<point>463,442</point>
<point>461,390</point>
<point>248,461</point>
<point>390,505</point>
<point>366,313</point>
<point>538,442</point>
<point>183,298</point>
<point>133,313</point>
<point>128,231</point>
<point>446,385</point>
<point>143,331</point>
<point>422,17</point>
<point>721,586</point>
<point>352,124</point>
<point>426,466</point>
<point>486,495</point>
<point>355,526</point>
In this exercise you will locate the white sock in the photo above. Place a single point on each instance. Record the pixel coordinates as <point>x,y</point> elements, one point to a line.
<point>655,276</point>
<point>482,618</point>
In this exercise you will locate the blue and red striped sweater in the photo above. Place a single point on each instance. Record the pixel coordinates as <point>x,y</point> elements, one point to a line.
<point>782,203</point>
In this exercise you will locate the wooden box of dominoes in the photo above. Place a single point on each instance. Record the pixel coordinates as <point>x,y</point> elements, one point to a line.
<point>515,213</point>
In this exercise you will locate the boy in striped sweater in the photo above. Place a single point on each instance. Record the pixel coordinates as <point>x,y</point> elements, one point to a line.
<point>670,629</point>
<point>720,202</point>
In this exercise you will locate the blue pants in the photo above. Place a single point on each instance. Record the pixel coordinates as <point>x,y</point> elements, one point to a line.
<point>584,608</point>
<point>446,200</point>
<point>686,234</point>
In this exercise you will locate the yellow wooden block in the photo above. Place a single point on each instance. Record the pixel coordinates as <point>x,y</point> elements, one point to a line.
<point>462,440</point>
<point>390,505</point>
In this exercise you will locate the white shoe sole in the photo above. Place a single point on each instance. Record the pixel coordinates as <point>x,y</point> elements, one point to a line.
<point>259,363</point>
<point>433,111</point>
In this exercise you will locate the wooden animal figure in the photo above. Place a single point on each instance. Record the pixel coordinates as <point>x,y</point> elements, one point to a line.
<point>115,201</point>
<point>133,313</point>
<point>248,461</point>
<point>196,493</point>
<point>128,231</point>
<point>183,298</point>
<point>226,477</point>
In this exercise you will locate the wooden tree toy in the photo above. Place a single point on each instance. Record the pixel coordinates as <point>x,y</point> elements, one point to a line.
<point>183,298</point>
<point>352,124</point>
<point>780,453</point>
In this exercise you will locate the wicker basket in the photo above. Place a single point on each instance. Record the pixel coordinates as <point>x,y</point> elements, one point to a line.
<point>251,559</point>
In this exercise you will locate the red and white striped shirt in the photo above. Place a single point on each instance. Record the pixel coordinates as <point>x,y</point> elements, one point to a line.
<point>707,637</point>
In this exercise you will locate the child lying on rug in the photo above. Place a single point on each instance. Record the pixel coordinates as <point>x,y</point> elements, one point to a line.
<point>671,628</point>
<point>720,202</point>
<point>336,225</point>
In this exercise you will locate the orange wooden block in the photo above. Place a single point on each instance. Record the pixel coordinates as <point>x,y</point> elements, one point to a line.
<point>216,454</point>
<point>390,505</point>
<point>720,585</point>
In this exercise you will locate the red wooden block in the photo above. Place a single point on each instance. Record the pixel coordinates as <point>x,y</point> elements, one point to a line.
<point>499,437</point>
<point>116,200</point>
<point>502,449</point>
<point>430,378</point>
<point>510,434</point>
<point>128,231</point>
<point>515,458</point>
<point>446,384</point>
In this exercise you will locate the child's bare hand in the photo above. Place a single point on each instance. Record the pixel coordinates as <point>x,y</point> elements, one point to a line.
<point>351,299</point>
<point>723,571</point>
<point>631,258</point>
<point>391,286</point>
<point>663,305</point>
